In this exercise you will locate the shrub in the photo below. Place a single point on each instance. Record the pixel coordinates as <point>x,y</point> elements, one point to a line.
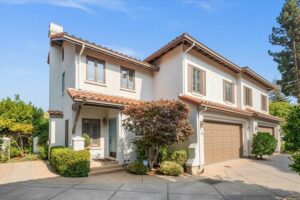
<point>70,163</point>
<point>292,130</point>
<point>140,150</point>
<point>263,144</point>
<point>179,157</point>
<point>137,168</point>
<point>163,155</point>
<point>296,162</point>
<point>14,151</point>
<point>171,168</point>
<point>87,140</point>
<point>43,152</point>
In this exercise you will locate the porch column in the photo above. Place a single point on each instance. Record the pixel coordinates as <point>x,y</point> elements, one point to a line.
<point>120,139</point>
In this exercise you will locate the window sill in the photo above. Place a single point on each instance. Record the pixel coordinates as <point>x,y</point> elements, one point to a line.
<point>95,83</point>
<point>128,90</point>
<point>94,148</point>
<point>229,103</point>
<point>197,94</point>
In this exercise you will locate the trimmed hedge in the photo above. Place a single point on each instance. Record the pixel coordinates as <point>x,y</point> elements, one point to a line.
<point>179,157</point>
<point>171,168</point>
<point>263,144</point>
<point>70,163</point>
<point>296,162</point>
<point>137,168</point>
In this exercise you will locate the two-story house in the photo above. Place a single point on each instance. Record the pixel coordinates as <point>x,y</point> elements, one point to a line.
<point>90,84</point>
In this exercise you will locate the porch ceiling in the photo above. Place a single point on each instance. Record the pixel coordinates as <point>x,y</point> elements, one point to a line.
<point>98,98</point>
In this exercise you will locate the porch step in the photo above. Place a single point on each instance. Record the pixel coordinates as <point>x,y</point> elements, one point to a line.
<point>108,168</point>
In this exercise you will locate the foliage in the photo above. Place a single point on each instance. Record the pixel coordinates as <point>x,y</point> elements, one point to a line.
<point>140,150</point>
<point>21,120</point>
<point>277,95</point>
<point>280,109</point>
<point>137,168</point>
<point>14,152</point>
<point>70,163</point>
<point>87,140</point>
<point>161,123</point>
<point>263,144</point>
<point>43,152</point>
<point>171,168</point>
<point>163,155</point>
<point>295,162</point>
<point>292,130</point>
<point>179,157</point>
<point>288,37</point>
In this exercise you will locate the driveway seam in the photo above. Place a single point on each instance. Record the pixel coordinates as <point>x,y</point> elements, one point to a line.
<point>118,189</point>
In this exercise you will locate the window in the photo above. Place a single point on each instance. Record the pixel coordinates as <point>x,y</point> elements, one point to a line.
<point>228,90</point>
<point>62,54</point>
<point>247,96</point>
<point>95,70</point>
<point>63,84</point>
<point>197,80</point>
<point>66,133</point>
<point>127,78</point>
<point>92,128</point>
<point>263,102</point>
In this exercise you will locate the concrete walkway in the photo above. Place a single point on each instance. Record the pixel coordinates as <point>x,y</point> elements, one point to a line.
<point>238,179</point>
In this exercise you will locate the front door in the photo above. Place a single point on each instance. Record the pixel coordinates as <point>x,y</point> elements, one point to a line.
<point>113,137</point>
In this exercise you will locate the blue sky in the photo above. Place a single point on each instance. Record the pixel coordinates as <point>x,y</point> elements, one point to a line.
<point>237,29</point>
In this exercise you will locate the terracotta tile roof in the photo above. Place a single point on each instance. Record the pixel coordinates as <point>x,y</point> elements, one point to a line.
<point>65,35</point>
<point>214,105</point>
<point>98,97</point>
<point>264,116</point>
<point>55,113</point>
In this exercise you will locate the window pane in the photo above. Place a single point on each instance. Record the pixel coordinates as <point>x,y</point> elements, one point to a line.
<point>91,72</point>
<point>100,71</point>
<point>131,79</point>
<point>196,81</point>
<point>96,132</point>
<point>124,77</point>
<point>228,92</point>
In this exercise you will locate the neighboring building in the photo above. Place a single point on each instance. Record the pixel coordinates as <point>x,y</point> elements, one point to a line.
<point>90,84</point>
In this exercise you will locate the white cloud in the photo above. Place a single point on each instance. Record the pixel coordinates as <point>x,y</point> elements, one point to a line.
<point>84,5</point>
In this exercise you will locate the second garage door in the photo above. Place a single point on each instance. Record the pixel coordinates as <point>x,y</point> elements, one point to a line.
<point>222,142</point>
<point>266,129</point>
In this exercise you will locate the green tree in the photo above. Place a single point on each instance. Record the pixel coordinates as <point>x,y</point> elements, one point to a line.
<point>292,130</point>
<point>276,95</point>
<point>280,109</point>
<point>287,35</point>
<point>160,123</point>
<point>263,144</point>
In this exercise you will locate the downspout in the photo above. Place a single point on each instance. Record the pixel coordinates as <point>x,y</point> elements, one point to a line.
<point>78,65</point>
<point>201,133</point>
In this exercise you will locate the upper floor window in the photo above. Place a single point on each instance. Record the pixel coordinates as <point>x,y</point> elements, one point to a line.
<point>127,78</point>
<point>63,84</point>
<point>264,102</point>
<point>228,91</point>
<point>247,96</point>
<point>95,70</point>
<point>197,80</point>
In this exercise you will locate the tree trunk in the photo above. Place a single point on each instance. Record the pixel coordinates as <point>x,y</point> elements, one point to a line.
<point>21,146</point>
<point>297,68</point>
<point>260,157</point>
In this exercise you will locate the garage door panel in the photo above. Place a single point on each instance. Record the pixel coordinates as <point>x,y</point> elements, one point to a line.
<point>221,142</point>
<point>266,129</point>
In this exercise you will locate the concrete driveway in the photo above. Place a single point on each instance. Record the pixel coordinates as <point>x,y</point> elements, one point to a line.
<point>238,179</point>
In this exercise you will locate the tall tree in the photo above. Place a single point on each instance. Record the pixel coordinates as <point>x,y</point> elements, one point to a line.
<point>287,35</point>
<point>276,95</point>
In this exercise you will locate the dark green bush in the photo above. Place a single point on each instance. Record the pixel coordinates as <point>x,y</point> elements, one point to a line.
<point>43,152</point>
<point>263,144</point>
<point>87,140</point>
<point>179,157</point>
<point>296,162</point>
<point>137,168</point>
<point>163,155</point>
<point>292,130</point>
<point>70,163</point>
<point>140,150</point>
<point>171,168</point>
<point>14,151</point>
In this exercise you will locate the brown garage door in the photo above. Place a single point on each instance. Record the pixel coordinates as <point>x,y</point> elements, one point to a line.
<point>221,142</point>
<point>266,129</point>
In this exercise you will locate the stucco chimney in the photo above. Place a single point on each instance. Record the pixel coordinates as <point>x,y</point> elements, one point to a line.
<point>54,28</point>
